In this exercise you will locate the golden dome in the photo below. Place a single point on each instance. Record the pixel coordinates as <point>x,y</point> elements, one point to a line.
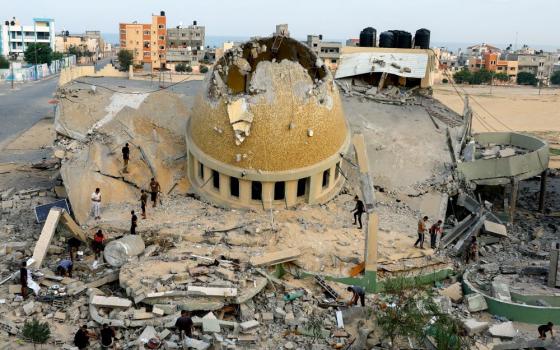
<point>269,107</point>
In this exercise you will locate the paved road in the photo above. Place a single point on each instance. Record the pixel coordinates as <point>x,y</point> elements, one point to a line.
<point>24,106</point>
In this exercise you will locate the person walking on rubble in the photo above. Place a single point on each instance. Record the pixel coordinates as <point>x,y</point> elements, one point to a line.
<point>545,328</point>
<point>133,222</point>
<point>358,293</point>
<point>435,230</point>
<point>97,244</point>
<point>472,250</point>
<point>421,232</point>
<point>143,202</point>
<point>96,204</point>
<point>126,156</point>
<point>155,189</point>
<point>23,279</point>
<point>184,325</point>
<point>358,210</point>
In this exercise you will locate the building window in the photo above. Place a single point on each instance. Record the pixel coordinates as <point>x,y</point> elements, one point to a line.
<point>326,178</point>
<point>279,189</point>
<point>146,32</point>
<point>161,37</point>
<point>302,186</point>
<point>216,179</point>
<point>162,47</point>
<point>333,60</point>
<point>256,190</point>
<point>234,186</point>
<point>161,26</point>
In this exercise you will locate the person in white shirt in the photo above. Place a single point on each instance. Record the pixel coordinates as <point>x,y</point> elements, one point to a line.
<point>96,204</point>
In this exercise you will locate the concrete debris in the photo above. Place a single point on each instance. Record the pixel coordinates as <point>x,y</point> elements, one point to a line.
<point>454,292</point>
<point>474,327</point>
<point>501,291</point>
<point>112,302</point>
<point>275,257</point>
<point>503,330</point>
<point>476,302</point>
<point>120,251</point>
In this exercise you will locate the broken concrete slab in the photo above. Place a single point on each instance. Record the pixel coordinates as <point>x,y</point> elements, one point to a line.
<point>501,291</point>
<point>248,325</point>
<point>47,233</point>
<point>211,291</point>
<point>454,292</point>
<point>148,333</point>
<point>476,302</point>
<point>29,308</point>
<point>495,229</point>
<point>503,330</point>
<point>210,325</point>
<point>474,326</point>
<point>506,152</point>
<point>112,302</point>
<point>275,257</point>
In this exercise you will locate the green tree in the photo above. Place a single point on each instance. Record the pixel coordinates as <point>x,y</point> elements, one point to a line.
<point>125,59</point>
<point>38,53</point>
<point>75,50</point>
<point>502,77</point>
<point>57,56</point>
<point>526,78</point>
<point>203,69</point>
<point>482,76</point>
<point>182,67</point>
<point>4,63</point>
<point>463,76</point>
<point>36,331</point>
<point>555,78</point>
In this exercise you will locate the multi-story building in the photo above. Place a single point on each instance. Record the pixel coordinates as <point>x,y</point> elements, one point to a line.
<point>328,51</point>
<point>491,62</point>
<point>480,50</point>
<point>185,45</point>
<point>352,42</point>
<point>15,37</point>
<point>90,42</point>
<point>541,65</point>
<point>147,41</point>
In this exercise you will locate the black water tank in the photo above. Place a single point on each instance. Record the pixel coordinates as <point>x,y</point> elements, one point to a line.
<point>387,39</point>
<point>194,23</point>
<point>368,37</point>
<point>320,36</point>
<point>422,38</point>
<point>162,13</point>
<point>403,40</point>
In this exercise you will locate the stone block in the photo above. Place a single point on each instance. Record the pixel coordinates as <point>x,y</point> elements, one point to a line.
<point>473,326</point>
<point>476,302</point>
<point>501,291</point>
<point>248,325</point>
<point>157,311</point>
<point>210,325</point>
<point>454,292</point>
<point>60,316</point>
<point>225,274</point>
<point>503,330</point>
<point>29,308</point>
<point>267,317</point>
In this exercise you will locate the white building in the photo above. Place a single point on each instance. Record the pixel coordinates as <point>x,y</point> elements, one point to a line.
<point>15,37</point>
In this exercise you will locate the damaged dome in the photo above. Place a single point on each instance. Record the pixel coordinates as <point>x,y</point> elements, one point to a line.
<point>269,105</point>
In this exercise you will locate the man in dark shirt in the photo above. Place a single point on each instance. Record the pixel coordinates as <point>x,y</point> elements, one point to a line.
<point>126,156</point>
<point>143,202</point>
<point>184,324</point>
<point>545,328</point>
<point>133,223</point>
<point>358,210</point>
<point>81,338</point>
<point>23,279</point>
<point>357,293</point>
<point>154,190</point>
<point>73,246</point>
<point>107,335</point>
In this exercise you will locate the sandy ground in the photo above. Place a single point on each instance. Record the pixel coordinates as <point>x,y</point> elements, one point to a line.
<point>506,108</point>
<point>40,135</point>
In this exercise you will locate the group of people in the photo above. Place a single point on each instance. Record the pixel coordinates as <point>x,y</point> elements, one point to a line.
<point>106,334</point>
<point>435,230</point>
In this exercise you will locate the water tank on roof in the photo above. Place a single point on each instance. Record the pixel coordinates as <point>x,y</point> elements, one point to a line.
<point>422,39</point>
<point>320,36</point>
<point>162,13</point>
<point>368,37</point>
<point>386,39</point>
<point>403,40</point>
<point>193,23</point>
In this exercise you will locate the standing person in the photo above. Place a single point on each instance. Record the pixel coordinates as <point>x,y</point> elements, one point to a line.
<point>357,293</point>
<point>154,190</point>
<point>133,222</point>
<point>421,232</point>
<point>107,336</point>
<point>125,156</point>
<point>81,338</point>
<point>73,246</point>
<point>96,204</point>
<point>358,210</point>
<point>434,231</point>
<point>97,243</point>
<point>472,250</point>
<point>64,268</point>
<point>545,328</point>
<point>184,324</point>
<point>143,202</point>
<point>23,279</point>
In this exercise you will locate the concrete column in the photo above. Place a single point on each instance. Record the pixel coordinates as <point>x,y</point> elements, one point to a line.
<point>267,194</point>
<point>553,269</point>
<point>513,201</point>
<point>224,186</point>
<point>370,258</point>
<point>191,167</point>
<point>542,194</point>
<point>207,176</point>
<point>315,187</point>
<point>244,191</point>
<point>291,192</point>
<point>332,181</point>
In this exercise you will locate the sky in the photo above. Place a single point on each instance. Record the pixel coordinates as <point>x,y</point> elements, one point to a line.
<point>453,21</point>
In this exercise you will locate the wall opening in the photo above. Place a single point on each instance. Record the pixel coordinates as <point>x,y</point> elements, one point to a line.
<point>256,190</point>
<point>216,179</point>
<point>279,191</point>
<point>337,171</point>
<point>201,171</point>
<point>234,186</point>
<point>326,178</point>
<point>302,186</point>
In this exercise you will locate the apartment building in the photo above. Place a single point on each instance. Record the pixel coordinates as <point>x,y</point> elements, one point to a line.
<point>147,41</point>
<point>185,44</point>
<point>491,62</point>
<point>541,65</point>
<point>328,51</point>
<point>90,41</point>
<point>15,37</point>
